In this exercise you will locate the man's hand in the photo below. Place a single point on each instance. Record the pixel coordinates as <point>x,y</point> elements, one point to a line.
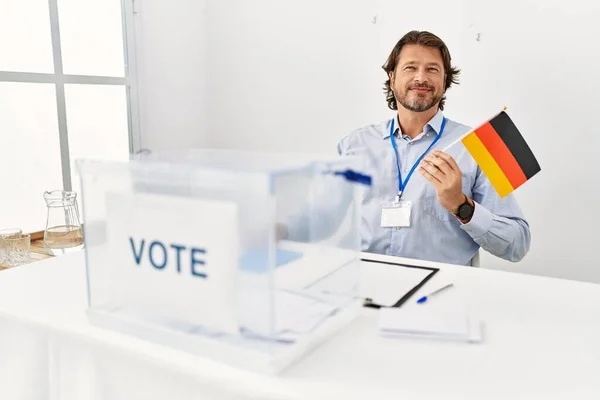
<point>444,174</point>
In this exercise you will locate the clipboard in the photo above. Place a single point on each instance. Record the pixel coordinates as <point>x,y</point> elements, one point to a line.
<point>432,271</point>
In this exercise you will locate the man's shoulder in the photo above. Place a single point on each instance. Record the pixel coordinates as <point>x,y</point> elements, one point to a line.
<point>456,128</point>
<point>364,134</point>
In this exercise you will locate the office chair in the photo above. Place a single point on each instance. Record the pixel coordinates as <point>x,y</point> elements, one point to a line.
<point>476,260</point>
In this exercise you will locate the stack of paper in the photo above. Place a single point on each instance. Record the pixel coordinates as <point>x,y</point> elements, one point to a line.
<point>397,322</point>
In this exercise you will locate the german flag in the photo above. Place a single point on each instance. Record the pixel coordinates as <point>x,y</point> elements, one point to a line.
<point>502,153</point>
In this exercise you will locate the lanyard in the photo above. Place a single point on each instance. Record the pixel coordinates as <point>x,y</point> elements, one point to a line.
<point>402,185</point>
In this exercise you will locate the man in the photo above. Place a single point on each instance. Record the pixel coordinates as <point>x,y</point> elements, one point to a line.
<point>425,203</point>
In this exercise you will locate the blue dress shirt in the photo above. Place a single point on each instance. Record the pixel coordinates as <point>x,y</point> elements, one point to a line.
<point>498,225</point>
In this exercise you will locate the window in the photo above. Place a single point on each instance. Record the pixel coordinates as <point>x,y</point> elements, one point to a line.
<point>66,92</point>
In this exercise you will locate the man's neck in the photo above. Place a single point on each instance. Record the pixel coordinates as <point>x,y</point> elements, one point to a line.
<point>412,123</point>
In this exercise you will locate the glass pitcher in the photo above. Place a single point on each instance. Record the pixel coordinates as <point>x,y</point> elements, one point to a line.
<point>64,232</point>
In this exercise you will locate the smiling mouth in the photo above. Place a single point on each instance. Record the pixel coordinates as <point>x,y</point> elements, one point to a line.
<point>420,90</point>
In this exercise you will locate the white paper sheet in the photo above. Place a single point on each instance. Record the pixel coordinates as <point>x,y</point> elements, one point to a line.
<point>296,313</point>
<point>174,257</point>
<point>420,322</point>
<point>316,262</point>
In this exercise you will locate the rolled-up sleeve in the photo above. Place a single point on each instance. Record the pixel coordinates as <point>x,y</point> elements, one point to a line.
<point>498,224</point>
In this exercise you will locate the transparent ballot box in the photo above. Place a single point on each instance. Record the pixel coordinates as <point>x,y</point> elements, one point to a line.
<point>247,258</point>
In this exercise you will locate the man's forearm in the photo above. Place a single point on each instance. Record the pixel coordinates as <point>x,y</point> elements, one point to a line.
<point>507,238</point>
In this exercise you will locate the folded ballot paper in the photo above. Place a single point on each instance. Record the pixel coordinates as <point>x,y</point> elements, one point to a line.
<point>295,314</point>
<point>421,323</point>
<point>306,281</point>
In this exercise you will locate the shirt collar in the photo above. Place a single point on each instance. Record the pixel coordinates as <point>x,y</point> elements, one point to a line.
<point>434,124</point>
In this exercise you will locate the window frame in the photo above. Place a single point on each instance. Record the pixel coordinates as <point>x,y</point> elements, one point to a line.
<point>59,79</point>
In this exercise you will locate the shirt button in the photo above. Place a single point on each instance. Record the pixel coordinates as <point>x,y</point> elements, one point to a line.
<point>405,169</point>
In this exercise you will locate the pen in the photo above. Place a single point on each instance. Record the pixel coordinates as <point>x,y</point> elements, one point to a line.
<point>424,298</point>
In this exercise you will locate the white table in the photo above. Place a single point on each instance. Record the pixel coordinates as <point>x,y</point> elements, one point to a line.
<point>542,341</point>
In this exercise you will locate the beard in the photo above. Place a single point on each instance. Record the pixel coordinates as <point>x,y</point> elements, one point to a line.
<point>418,102</point>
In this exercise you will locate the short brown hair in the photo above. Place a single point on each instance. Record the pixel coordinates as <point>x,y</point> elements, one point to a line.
<point>422,38</point>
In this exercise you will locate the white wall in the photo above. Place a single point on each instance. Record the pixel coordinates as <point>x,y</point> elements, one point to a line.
<point>285,75</point>
<point>171,55</point>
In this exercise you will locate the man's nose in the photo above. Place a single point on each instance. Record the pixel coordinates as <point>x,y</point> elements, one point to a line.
<point>420,76</point>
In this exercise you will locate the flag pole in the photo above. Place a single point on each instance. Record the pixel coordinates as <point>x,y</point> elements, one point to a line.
<point>456,141</point>
<point>462,137</point>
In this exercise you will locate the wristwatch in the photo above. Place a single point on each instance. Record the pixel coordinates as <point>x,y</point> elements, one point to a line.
<point>465,210</point>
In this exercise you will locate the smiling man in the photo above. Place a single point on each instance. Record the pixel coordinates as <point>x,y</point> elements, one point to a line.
<point>425,203</point>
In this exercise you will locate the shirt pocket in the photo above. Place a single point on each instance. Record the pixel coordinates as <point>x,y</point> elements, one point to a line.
<point>432,207</point>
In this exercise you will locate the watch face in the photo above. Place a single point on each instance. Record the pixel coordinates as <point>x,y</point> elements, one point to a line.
<point>465,211</point>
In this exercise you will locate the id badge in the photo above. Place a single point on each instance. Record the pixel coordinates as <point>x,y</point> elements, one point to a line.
<point>396,214</point>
